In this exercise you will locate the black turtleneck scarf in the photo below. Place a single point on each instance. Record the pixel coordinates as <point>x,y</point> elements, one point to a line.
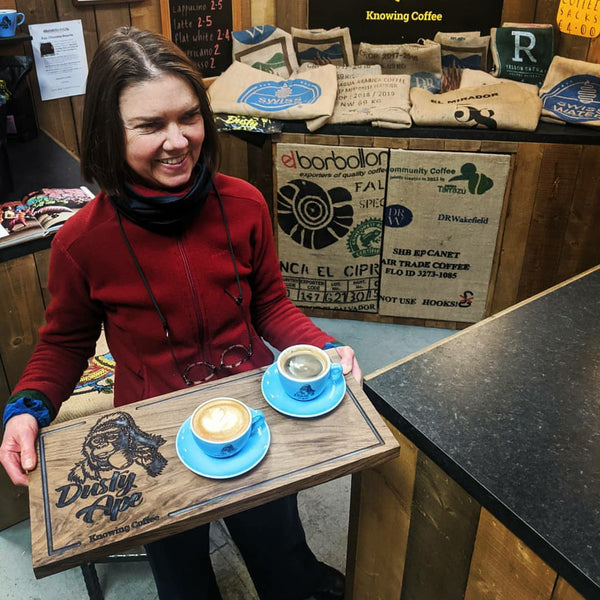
<point>163,212</point>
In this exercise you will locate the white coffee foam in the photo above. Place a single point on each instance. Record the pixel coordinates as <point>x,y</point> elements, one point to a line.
<point>221,419</point>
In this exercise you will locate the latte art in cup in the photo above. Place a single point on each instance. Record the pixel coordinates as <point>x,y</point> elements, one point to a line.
<point>221,420</point>
<point>304,365</point>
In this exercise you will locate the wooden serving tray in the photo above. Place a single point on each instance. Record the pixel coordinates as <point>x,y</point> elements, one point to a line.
<point>79,513</point>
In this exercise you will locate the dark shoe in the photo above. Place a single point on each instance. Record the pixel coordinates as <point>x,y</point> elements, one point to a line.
<point>332,585</point>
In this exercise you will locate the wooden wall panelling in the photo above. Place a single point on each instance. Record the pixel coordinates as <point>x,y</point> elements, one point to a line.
<point>359,141</point>
<point>234,156</point>
<point>68,12</point>
<point>499,147</point>
<point>518,11</point>
<point>553,200</point>
<point>55,117</point>
<point>563,591</point>
<point>376,563</point>
<point>426,144</point>
<point>394,143</point>
<point>260,171</point>
<point>573,46</point>
<point>491,294</point>
<point>22,313</point>
<point>545,12</point>
<point>581,250</point>
<point>462,145</point>
<point>290,138</point>
<point>291,14</point>
<point>441,536</point>
<point>146,15</point>
<point>526,174</point>
<point>262,12</point>
<point>111,16</point>
<point>324,140</point>
<point>594,51</point>
<point>504,568</point>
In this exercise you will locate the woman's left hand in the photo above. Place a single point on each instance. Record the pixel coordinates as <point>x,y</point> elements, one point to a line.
<point>349,362</point>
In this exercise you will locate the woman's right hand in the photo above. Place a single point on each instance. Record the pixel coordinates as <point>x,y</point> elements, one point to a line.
<point>17,453</point>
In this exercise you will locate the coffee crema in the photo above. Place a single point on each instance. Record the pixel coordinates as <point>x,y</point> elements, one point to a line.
<point>220,420</point>
<point>303,364</point>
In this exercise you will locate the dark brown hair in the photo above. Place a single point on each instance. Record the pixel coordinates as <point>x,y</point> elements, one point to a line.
<point>125,57</point>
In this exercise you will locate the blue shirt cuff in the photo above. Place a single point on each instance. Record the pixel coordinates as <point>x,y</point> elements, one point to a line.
<point>30,406</point>
<point>330,345</point>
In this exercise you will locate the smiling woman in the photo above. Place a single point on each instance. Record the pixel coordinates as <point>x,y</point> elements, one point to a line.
<point>164,130</point>
<point>178,262</point>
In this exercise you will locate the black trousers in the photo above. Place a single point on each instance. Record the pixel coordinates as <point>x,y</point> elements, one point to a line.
<point>271,540</point>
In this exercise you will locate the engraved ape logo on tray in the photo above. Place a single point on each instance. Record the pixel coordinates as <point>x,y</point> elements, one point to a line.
<point>113,446</point>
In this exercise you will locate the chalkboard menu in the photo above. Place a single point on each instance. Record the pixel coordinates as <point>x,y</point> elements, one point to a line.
<point>401,22</point>
<point>202,29</point>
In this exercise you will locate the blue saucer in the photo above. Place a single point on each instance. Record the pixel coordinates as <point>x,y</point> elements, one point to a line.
<point>325,402</point>
<point>221,468</point>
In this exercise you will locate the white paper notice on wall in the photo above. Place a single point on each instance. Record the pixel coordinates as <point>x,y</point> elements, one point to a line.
<point>60,58</point>
<point>441,223</point>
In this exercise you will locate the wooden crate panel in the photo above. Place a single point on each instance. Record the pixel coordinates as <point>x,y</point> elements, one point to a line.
<point>442,533</point>
<point>504,568</point>
<point>385,508</point>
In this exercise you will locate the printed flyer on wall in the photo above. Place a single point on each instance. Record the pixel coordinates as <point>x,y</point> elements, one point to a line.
<point>60,58</point>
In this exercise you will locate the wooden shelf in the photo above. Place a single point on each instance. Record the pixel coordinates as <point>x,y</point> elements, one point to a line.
<point>15,39</point>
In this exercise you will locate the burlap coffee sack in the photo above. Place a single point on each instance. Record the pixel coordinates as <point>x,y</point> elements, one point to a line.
<point>329,222</point>
<point>370,98</point>
<point>422,61</point>
<point>267,48</point>
<point>501,106</point>
<point>466,50</point>
<point>474,78</point>
<point>344,72</point>
<point>320,46</point>
<point>571,92</point>
<point>243,90</point>
<point>441,223</point>
<point>357,71</point>
<point>522,53</point>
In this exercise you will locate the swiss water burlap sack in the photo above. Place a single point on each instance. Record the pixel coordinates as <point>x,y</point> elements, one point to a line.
<point>571,92</point>
<point>501,106</point>
<point>368,99</point>
<point>474,78</point>
<point>323,46</point>
<point>522,53</point>
<point>267,48</point>
<point>422,61</point>
<point>463,50</point>
<point>243,90</point>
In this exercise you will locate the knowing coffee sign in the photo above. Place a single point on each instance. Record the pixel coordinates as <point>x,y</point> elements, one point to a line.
<point>404,21</point>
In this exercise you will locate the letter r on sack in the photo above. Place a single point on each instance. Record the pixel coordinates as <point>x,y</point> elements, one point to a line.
<point>518,35</point>
<point>289,160</point>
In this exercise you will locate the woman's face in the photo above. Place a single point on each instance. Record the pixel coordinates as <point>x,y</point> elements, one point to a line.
<point>164,130</point>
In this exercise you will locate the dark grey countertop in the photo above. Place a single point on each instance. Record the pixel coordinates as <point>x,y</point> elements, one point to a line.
<point>510,409</point>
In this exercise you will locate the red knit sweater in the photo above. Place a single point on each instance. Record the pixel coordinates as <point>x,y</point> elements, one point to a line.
<point>93,280</point>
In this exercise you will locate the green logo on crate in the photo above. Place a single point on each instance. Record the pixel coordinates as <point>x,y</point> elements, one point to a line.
<point>365,238</point>
<point>478,183</point>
